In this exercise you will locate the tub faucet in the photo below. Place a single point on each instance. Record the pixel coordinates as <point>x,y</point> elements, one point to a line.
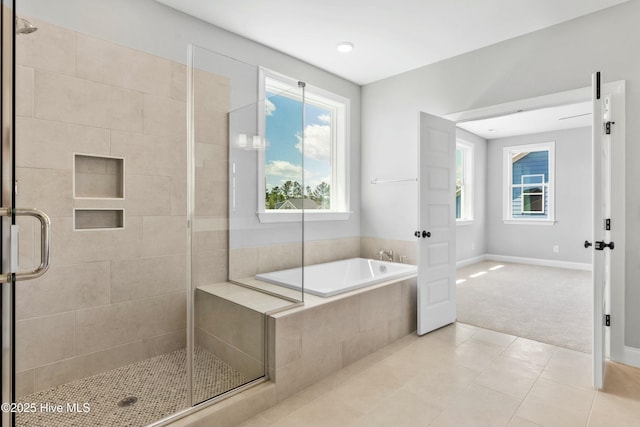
<point>382,253</point>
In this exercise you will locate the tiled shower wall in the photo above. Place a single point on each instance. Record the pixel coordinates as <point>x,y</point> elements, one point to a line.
<point>111,297</point>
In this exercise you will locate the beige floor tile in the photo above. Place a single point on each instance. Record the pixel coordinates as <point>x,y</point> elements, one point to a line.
<point>521,422</point>
<point>403,408</point>
<point>478,406</point>
<point>457,376</point>
<point>476,354</point>
<point>612,411</point>
<point>324,411</point>
<point>455,334</point>
<point>444,386</point>
<point>510,376</point>
<point>554,404</point>
<point>569,367</point>
<point>493,337</point>
<point>530,351</point>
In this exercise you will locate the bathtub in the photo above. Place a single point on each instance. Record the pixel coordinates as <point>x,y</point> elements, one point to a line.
<point>334,278</point>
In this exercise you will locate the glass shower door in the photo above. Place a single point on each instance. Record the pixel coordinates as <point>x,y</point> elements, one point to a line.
<point>100,145</point>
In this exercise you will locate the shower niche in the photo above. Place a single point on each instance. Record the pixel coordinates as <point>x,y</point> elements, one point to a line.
<point>97,178</point>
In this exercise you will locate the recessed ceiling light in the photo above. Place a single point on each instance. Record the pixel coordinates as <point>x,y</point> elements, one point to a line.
<point>344,47</point>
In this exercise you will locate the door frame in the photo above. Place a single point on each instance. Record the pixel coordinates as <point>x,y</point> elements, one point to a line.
<point>7,118</point>
<point>618,351</point>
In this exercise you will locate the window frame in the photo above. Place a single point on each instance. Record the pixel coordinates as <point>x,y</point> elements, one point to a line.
<point>467,186</point>
<point>548,188</point>
<point>340,141</point>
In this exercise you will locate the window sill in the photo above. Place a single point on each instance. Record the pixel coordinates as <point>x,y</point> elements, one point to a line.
<point>463,222</point>
<point>528,222</point>
<point>275,217</point>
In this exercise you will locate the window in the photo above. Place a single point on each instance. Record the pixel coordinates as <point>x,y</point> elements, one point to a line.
<point>529,182</point>
<point>304,163</point>
<point>464,181</point>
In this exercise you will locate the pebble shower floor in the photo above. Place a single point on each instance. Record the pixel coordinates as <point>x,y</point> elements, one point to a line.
<point>159,383</point>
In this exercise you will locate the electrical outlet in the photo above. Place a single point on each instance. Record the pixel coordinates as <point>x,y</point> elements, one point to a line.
<point>556,249</point>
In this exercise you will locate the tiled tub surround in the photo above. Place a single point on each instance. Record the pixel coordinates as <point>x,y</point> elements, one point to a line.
<point>111,297</point>
<point>326,334</point>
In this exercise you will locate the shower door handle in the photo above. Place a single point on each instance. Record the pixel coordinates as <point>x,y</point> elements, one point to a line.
<point>45,244</point>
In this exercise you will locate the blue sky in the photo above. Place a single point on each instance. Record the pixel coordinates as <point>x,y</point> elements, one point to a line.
<point>283,134</point>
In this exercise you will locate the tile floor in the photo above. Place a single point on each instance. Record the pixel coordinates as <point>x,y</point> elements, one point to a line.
<point>462,375</point>
<point>159,383</point>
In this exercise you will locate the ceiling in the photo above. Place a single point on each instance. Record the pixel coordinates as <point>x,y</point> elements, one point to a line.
<point>533,121</point>
<point>390,37</point>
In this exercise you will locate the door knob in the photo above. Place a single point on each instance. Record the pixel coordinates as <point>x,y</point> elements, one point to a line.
<point>587,244</point>
<point>426,234</point>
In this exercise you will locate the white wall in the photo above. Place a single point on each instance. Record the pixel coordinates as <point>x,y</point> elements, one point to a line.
<point>572,201</point>
<point>471,239</point>
<point>547,61</point>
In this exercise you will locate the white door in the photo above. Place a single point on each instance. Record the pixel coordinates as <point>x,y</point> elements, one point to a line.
<point>437,220</point>
<point>602,244</point>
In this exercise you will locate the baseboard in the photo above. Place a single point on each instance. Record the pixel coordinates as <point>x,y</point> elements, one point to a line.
<point>539,261</point>
<point>631,356</point>
<point>471,261</point>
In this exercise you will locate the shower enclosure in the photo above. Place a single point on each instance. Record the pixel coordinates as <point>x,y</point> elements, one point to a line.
<point>145,170</point>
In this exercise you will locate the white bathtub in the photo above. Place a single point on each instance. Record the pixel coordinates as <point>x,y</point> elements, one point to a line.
<point>333,278</point>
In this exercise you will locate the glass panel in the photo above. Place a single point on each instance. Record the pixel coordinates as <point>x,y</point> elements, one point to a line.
<point>228,242</point>
<point>100,338</point>
<point>261,247</point>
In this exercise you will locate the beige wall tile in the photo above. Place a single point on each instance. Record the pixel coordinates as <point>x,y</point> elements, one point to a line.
<point>50,145</point>
<point>178,81</point>
<point>73,247</point>
<point>147,195</point>
<point>151,154</point>
<point>72,100</point>
<point>243,263</point>
<point>379,305</point>
<point>370,246</point>
<point>106,62</point>
<point>165,117</point>
<point>51,48</point>
<point>210,266</point>
<point>117,324</point>
<point>44,340</point>
<point>145,277</point>
<point>64,288</point>
<point>288,332</point>
<point>307,370</point>
<point>234,324</point>
<point>247,365</point>
<point>27,243</point>
<point>211,198</point>
<point>164,235</point>
<point>364,343</point>
<point>75,368</point>
<point>24,383</point>
<point>178,196</point>
<point>47,189</point>
<point>330,324</point>
<point>24,91</point>
<point>165,343</point>
<point>279,257</point>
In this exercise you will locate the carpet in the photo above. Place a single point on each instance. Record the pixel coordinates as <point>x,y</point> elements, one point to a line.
<point>550,305</point>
